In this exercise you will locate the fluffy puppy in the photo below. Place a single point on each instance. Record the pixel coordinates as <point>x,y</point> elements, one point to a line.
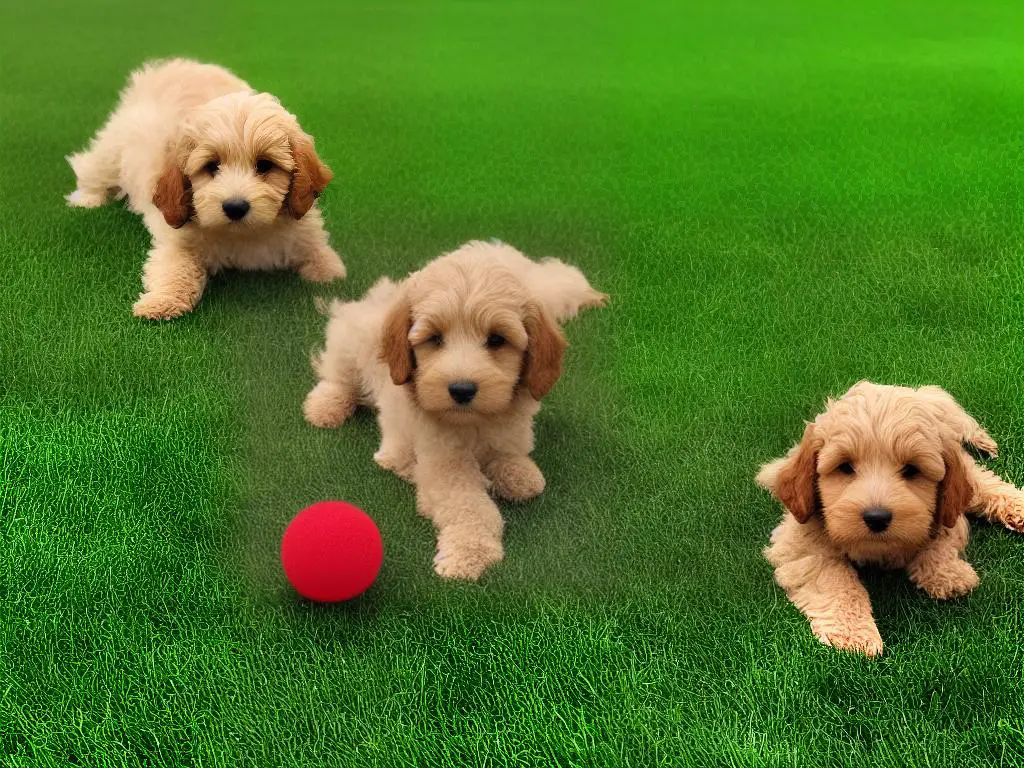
<point>222,176</point>
<point>455,359</point>
<point>881,477</point>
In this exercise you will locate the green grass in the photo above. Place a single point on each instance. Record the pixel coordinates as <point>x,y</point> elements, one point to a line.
<point>781,197</point>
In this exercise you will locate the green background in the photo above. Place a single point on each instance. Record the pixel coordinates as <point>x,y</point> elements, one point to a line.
<point>781,198</point>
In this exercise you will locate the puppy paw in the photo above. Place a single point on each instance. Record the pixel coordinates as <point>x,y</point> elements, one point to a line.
<point>465,558</point>
<point>161,306</point>
<point>1013,515</point>
<point>81,199</point>
<point>397,461</point>
<point>516,478</point>
<point>327,405</point>
<point>860,639</point>
<point>323,267</point>
<point>953,580</point>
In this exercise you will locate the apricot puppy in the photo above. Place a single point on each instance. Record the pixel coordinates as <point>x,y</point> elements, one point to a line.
<point>881,477</point>
<point>222,176</point>
<point>455,359</point>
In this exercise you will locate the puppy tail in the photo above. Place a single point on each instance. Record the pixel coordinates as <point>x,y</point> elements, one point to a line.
<point>768,475</point>
<point>564,289</point>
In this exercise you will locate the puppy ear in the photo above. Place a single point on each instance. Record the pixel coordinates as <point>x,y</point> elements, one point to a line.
<point>396,350</point>
<point>796,478</point>
<point>956,491</point>
<point>173,193</point>
<point>309,178</point>
<point>544,349</point>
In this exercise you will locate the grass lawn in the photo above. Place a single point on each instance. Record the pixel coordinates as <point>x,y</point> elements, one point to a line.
<point>781,197</point>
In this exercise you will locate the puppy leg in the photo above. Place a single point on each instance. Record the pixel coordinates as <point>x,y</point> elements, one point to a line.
<point>825,588</point>
<point>516,478</point>
<point>97,172</point>
<point>312,256</point>
<point>396,452</point>
<point>452,492</point>
<point>173,280</point>
<point>996,500</point>
<point>939,569</point>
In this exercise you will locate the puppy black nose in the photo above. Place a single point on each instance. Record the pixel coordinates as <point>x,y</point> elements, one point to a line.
<point>462,391</point>
<point>877,518</point>
<point>235,208</point>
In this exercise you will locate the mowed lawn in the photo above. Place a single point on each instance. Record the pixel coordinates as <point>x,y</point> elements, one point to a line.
<point>781,198</point>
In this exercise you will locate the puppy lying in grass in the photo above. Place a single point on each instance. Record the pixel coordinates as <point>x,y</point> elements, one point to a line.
<point>881,477</point>
<point>222,176</point>
<point>455,359</point>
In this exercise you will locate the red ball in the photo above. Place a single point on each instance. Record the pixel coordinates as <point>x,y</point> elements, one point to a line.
<point>331,551</point>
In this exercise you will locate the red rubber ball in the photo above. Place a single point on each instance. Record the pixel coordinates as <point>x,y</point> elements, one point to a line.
<point>331,551</point>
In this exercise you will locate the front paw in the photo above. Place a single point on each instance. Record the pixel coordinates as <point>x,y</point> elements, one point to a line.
<point>397,461</point>
<point>160,306</point>
<point>1013,515</point>
<point>515,479</point>
<point>862,638</point>
<point>951,580</point>
<point>463,554</point>
<point>324,267</point>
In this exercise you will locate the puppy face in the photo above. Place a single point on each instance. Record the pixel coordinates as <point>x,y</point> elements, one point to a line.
<point>465,335</point>
<point>241,161</point>
<point>882,467</point>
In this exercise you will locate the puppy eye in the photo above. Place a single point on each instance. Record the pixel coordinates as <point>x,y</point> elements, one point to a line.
<point>263,165</point>
<point>846,468</point>
<point>909,472</point>
<point>436,340</point>
<point>212,167</point>
<point>494,341</point>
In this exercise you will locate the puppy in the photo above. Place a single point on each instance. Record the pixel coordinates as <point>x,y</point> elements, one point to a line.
<point>455,359</point>
<point>222,176</point>
<point>881,477</point>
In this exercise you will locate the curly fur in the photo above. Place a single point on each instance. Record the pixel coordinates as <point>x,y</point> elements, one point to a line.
<point>185,139</point>
<point>891,448</point>
<point>399,348</point>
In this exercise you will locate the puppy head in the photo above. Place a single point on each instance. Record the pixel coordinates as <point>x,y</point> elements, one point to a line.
<point>883,468</point>
<point>466,335</point>
<point>240,161</point>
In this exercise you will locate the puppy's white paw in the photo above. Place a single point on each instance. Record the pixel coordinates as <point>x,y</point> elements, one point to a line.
<point>80,199</point>
<point>863,638</point>
<point>161,306</point>
<point>327,405</point>
<point>325,267</point>
<point>467,560</point>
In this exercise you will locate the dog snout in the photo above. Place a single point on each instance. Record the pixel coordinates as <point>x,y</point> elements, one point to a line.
<point>235,208</point>
<point>877,519</point>
<point>462,392</point>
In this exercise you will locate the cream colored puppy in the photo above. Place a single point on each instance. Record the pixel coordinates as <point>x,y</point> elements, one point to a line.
<point>455,359</point>
<point>222,176</point>
<point>881,477</point>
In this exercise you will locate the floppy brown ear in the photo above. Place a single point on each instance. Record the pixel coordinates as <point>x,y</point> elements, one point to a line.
<point>173,194</point>
<point>309,178</point>
<point>544,349</point>
<point>796,483</point>
<point>956,491</point>
<point>396,350</point>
